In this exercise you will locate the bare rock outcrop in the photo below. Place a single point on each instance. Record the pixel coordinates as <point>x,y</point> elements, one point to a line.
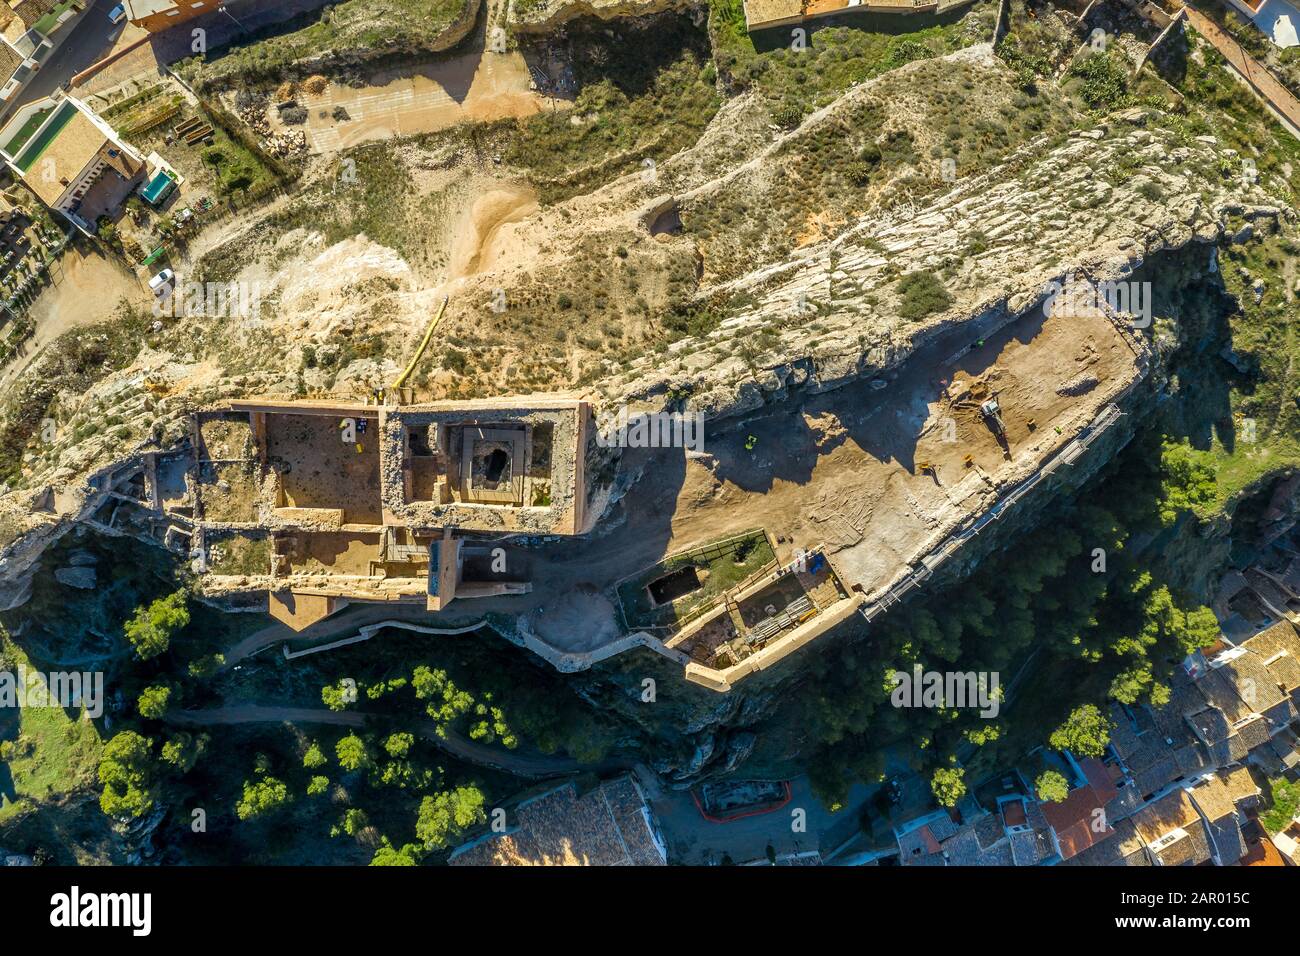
<point>832,312</point>
<point>545,16</point>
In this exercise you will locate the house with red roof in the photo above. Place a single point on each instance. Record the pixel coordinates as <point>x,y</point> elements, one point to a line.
<point>1080,820</point>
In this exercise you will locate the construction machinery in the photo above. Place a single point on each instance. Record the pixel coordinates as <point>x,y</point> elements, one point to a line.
<point>977,394</point>
<point>992,413</point>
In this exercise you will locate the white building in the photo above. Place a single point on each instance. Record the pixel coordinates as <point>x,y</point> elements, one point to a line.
<point>70,158</point>
<point>1276,19</point>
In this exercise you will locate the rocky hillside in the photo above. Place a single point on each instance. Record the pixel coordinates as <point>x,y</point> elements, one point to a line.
<point>345,35</point>
<point>544,17</point>
<point>760,259</point>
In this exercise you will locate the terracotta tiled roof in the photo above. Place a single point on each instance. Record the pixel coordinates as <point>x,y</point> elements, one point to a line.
<point>29,11</point>
<point>1079,820</point>
<point>1160,749</point>
<point>1212,797</point>
<point>1241,785</point>
<point>1126,848</point>
<point>1254,731</point>
<point>1222,741</point>
<point>928,838</point>
<point>10,60</point>
<point>1219,690</point>
<point>1257,686</point>
<point>1099,778</point>
<point>1013,813</point>
<point>1262,852</point>
<point>1173,814</point>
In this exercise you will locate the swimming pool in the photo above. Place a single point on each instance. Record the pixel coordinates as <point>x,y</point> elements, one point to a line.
<point>157,188</point>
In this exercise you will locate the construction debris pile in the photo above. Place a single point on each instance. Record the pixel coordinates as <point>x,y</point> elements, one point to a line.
<point>282,144</point>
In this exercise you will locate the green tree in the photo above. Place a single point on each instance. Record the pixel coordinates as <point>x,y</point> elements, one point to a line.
<point>339,695</point>
<point>1086,732</point>
<point>151,629</point>
<point>355,820</point>
<point>948,785</point>
<point>205,667</point>
<point>491,725</point>
<point>126,771</point>
<point>352,753</point>
<point>106,230</point>
<point>399,745</point>
<point>446,701</point>
<point>445,816</point>
<point>404,774</point>
<point>182,751</point>
<point>260,797</point>
<point>314,757</point>
<point>317,785</point>
<point>386,855</point>
<point>154,701</point>
<point>1051,787</point>
<point>1200,630</point>
<point>1187,481</point>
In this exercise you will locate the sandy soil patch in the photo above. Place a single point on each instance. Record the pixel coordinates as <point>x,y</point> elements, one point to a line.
<point>88,287</point>
<point>484,239</point>
<point>474,87</point>
<point>318,470</point>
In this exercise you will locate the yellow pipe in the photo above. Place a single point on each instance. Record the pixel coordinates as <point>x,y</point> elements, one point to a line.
<point>424,343</point>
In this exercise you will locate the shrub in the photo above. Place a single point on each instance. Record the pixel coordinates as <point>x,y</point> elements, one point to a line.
<point>1286,803</point>
<point>787,116</point>
<point>921,293</point>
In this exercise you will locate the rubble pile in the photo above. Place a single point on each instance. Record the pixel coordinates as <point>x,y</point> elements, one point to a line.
<point>281,144</point>
<point>288,143</point>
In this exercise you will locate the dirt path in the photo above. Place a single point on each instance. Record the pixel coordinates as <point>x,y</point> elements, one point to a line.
<point>1265,85</point>
<point>519,764</point>
<point>232,228</point>
<point>345,622</point>
<point>87,287</point>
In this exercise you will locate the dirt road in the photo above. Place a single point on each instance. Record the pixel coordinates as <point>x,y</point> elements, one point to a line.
<point>345,622</point>
<point>1265,85</point>
<point>87,287</point>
